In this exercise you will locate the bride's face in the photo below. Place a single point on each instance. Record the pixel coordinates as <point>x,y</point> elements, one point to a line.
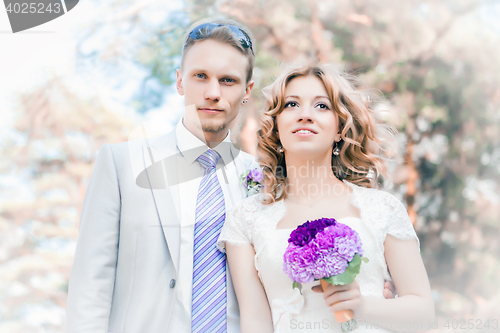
<point>307,125</point>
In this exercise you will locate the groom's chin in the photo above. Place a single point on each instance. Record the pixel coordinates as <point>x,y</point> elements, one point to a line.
<point>213,127</point>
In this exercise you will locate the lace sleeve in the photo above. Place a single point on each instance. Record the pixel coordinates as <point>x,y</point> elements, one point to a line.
<point>399,224</point>
<point>237,227</point>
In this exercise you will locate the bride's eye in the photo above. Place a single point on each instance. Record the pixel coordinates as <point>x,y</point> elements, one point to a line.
<point>323,106</point>
<point>290,104</point>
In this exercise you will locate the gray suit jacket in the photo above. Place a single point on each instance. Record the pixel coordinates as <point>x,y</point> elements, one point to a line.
<point>127,255</point>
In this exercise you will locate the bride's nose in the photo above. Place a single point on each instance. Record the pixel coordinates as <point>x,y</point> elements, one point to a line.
<point>305,115</point>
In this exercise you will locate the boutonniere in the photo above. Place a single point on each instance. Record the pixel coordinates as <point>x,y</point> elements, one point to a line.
<point>251,180</point>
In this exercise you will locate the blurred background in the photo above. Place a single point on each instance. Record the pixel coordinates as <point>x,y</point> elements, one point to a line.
<point>93,75</point>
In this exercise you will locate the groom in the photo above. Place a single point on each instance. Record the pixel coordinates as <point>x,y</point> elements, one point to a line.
<point>146,259</point>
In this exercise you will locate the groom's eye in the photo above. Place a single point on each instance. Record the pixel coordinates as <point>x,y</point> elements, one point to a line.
<point>201,76</point>
<point>228,80</point>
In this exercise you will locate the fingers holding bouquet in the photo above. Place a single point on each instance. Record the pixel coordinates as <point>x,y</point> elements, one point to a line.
<point>343,297</point>
<point>348,297</point>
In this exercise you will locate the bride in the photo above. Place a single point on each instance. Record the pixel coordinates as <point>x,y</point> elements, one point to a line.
<point>319,147</point>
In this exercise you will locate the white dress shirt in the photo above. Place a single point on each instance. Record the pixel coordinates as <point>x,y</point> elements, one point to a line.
<point>191,148</point>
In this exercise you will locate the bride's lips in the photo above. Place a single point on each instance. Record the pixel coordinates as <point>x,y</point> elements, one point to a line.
<point>210,111</point>
<point>309,132</point>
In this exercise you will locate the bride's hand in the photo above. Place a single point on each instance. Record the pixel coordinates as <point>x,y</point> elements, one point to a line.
<point>346,297</point>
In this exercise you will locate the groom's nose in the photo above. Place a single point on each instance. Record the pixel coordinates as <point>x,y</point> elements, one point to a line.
<point>213,90</point>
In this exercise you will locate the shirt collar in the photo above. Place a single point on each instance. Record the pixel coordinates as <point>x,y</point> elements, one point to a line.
<point>191,147</point>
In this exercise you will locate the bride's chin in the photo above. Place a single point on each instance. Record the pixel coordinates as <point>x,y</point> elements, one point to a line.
<point>304,153</point>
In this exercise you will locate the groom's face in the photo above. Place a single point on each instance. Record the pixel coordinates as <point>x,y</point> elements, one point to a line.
<point>213,82</point>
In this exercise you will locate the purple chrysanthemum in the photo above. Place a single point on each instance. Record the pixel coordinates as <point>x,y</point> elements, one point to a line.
<point>307,231</point>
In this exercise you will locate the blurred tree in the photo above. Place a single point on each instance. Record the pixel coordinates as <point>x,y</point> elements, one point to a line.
<point>46,163</point>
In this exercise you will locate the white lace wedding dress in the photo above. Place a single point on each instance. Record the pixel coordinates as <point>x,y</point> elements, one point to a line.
<point>251,222</point>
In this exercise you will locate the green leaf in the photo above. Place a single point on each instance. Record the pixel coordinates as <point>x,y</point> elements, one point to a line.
<point>243,177</point>
<point>350,272</point>
<point>365,259</point>
<point>297,285</point>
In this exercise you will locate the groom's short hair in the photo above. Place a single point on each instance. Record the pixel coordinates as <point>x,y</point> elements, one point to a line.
<point>222,34</point>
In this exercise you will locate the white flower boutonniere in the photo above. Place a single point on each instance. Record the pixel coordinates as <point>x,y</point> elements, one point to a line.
<point>251,180</point>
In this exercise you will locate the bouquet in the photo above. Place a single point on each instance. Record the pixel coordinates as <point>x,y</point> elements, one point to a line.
<point>328,251</point>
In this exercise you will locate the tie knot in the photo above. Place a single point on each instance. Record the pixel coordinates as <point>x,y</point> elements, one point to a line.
<point>209,159</point>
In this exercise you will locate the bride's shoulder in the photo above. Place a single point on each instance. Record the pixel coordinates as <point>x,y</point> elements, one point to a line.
<point>252,205</point>
<point>365,196</point>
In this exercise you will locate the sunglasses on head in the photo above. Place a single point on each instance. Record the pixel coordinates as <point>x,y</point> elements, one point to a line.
<point>207,28</point>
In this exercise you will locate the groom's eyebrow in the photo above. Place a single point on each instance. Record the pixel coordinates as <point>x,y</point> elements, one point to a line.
<point>232,73</point>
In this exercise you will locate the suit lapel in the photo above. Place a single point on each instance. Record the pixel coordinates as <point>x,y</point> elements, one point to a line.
<point>234,176</point>
<point>161,174</point>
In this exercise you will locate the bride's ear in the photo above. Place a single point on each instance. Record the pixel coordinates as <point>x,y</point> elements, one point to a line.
<point>338,137</point>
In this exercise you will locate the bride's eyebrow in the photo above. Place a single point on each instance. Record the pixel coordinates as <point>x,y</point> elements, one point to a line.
<point>298,97</point>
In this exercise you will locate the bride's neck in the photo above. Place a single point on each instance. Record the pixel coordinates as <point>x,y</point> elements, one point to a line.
<point>310,177</point>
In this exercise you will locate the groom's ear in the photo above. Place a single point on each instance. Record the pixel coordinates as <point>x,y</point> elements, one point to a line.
<point>178,83</point>
<point>248,89</point>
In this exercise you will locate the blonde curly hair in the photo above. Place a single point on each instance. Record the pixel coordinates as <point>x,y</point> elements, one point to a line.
<point>365,143</point>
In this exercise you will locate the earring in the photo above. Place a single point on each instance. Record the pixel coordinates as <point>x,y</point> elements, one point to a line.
<point>336,149</point>
<point>245,101</point>
<point>280,149</point>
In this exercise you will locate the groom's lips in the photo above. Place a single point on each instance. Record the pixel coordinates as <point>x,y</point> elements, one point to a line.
<point>210,111</point>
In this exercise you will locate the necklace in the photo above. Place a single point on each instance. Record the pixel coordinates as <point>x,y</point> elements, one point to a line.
<point>308,204</point>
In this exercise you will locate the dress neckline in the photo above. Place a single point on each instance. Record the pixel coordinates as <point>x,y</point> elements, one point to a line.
<point>338,220</point>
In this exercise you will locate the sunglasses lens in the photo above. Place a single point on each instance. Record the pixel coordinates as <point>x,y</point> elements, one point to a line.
<point>207,28</point>
<point>240,34</point>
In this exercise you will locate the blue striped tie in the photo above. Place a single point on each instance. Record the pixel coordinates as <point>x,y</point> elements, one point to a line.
<point>209,264</point>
